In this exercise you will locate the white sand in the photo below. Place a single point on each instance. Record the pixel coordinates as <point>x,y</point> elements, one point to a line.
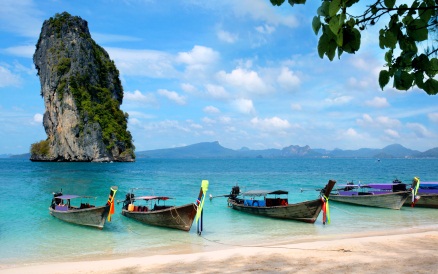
<point>413,252</point>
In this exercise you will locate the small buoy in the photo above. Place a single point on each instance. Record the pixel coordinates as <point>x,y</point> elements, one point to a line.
<point>211,197</point>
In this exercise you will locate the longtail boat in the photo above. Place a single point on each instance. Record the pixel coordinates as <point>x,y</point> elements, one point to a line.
<point>80,210</point>
<point>155,212</point>
<point>275,204</point>
<point>391,196</point>
<point>424,194</point>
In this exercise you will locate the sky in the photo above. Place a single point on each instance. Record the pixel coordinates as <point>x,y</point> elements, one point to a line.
<point>243,73</point>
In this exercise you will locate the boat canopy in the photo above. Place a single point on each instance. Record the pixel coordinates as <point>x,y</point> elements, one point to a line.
<point>69,197</point>
<point>147,198</point>
<point>264,192</point>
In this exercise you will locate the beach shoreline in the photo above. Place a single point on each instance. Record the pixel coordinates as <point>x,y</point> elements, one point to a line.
<point>405,250</point>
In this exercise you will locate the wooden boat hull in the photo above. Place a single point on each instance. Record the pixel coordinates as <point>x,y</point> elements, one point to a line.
<point>94,217</point>
<point>426,200</point>
<point>393,200</point>
<point>177,217</point>
<point>305,211</point>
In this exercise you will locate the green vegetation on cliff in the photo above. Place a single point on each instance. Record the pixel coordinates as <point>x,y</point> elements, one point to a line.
<point>40,148</point>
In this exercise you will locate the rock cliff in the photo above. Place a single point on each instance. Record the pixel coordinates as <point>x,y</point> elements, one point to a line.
<point>82,96</point>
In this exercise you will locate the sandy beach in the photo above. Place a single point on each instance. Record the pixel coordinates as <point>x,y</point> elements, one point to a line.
<point>399,252</point>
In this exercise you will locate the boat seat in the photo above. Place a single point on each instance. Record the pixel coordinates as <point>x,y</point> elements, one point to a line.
<point>61,207</point>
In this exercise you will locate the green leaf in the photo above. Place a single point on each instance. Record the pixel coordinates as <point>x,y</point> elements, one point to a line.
<point>350,3</point>
<point>293,2</point>
<point>407,19</point>
<point>351,22</point>
<point>342,18</point>
<point>388,56</point>
<point>390,39</point>
<point>431,86</point>
<point>417,30</point>
<point>403,80</point>
<point>340,38</point>
<point>426,15</point>
<point>419,76</point>
<point>381,38</point>
<point>402,9</point>
<point>334,25</point>
<point>323,10</point>
<point>433,67</point>
<point>351,40</point>
<point>383,78</point>
<point>389,3</point>
<point>421,63</point>
<point>335,6</point>
<point>340,51</point>
<point>322,45</point>
<point>356,41</point>
<point>331,51</point>
<point>277,2</point>
<point>316,24</point>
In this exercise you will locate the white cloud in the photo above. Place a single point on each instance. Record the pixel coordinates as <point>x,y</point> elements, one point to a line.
<point>149,63</point>
<point>270,124</point>
<point>296,107</point>
<point>107,38</point>
<point>21,51</point>
<point>198,58</point>
<point>195,126</point>
<point>227,36</point>
<point>20,17</point>
<point>38,118</point>
<point>189,88</point>
<point>341,100</point>
<point>392,133</point>
<point>245,80</point>
<point>224,119</point>
<point>208,120</point>
<point>351,133</point>
<point>134,121</point>
<point>367,118</point>
<point>419,130</point>
<point>377,102</point>
<point>262,10</point>
<point>137,96</point>
<point>211,110</point>
<point>173,96</point>
<point>356,83</point>
<point>433,117</point>
<point>387,122</point>
<point>209,132</point>
<point>380,121</point>
<point>244,106</point>
<point>288,79</point>
<point>7,78</point>
<point>217,92</point>
<point>265,29</point>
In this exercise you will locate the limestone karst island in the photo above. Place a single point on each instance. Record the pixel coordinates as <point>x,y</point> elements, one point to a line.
<point>82,96</point>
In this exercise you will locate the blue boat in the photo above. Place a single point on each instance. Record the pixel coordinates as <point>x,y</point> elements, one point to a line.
<point>391,196</point>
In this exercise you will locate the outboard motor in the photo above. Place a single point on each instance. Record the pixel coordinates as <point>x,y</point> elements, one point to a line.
<point>235,191</point>
<point>56,201</point>
<point>349,186</point>
<point>128,200</point>
<point>398,186</point>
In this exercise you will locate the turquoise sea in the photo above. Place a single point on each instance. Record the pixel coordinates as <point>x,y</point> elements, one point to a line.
<point>28,233</point>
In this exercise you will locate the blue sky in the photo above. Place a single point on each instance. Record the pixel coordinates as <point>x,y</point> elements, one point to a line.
<point>243,73</point>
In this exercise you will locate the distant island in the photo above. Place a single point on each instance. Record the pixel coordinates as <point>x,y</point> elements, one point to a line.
<point>215,150</point>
